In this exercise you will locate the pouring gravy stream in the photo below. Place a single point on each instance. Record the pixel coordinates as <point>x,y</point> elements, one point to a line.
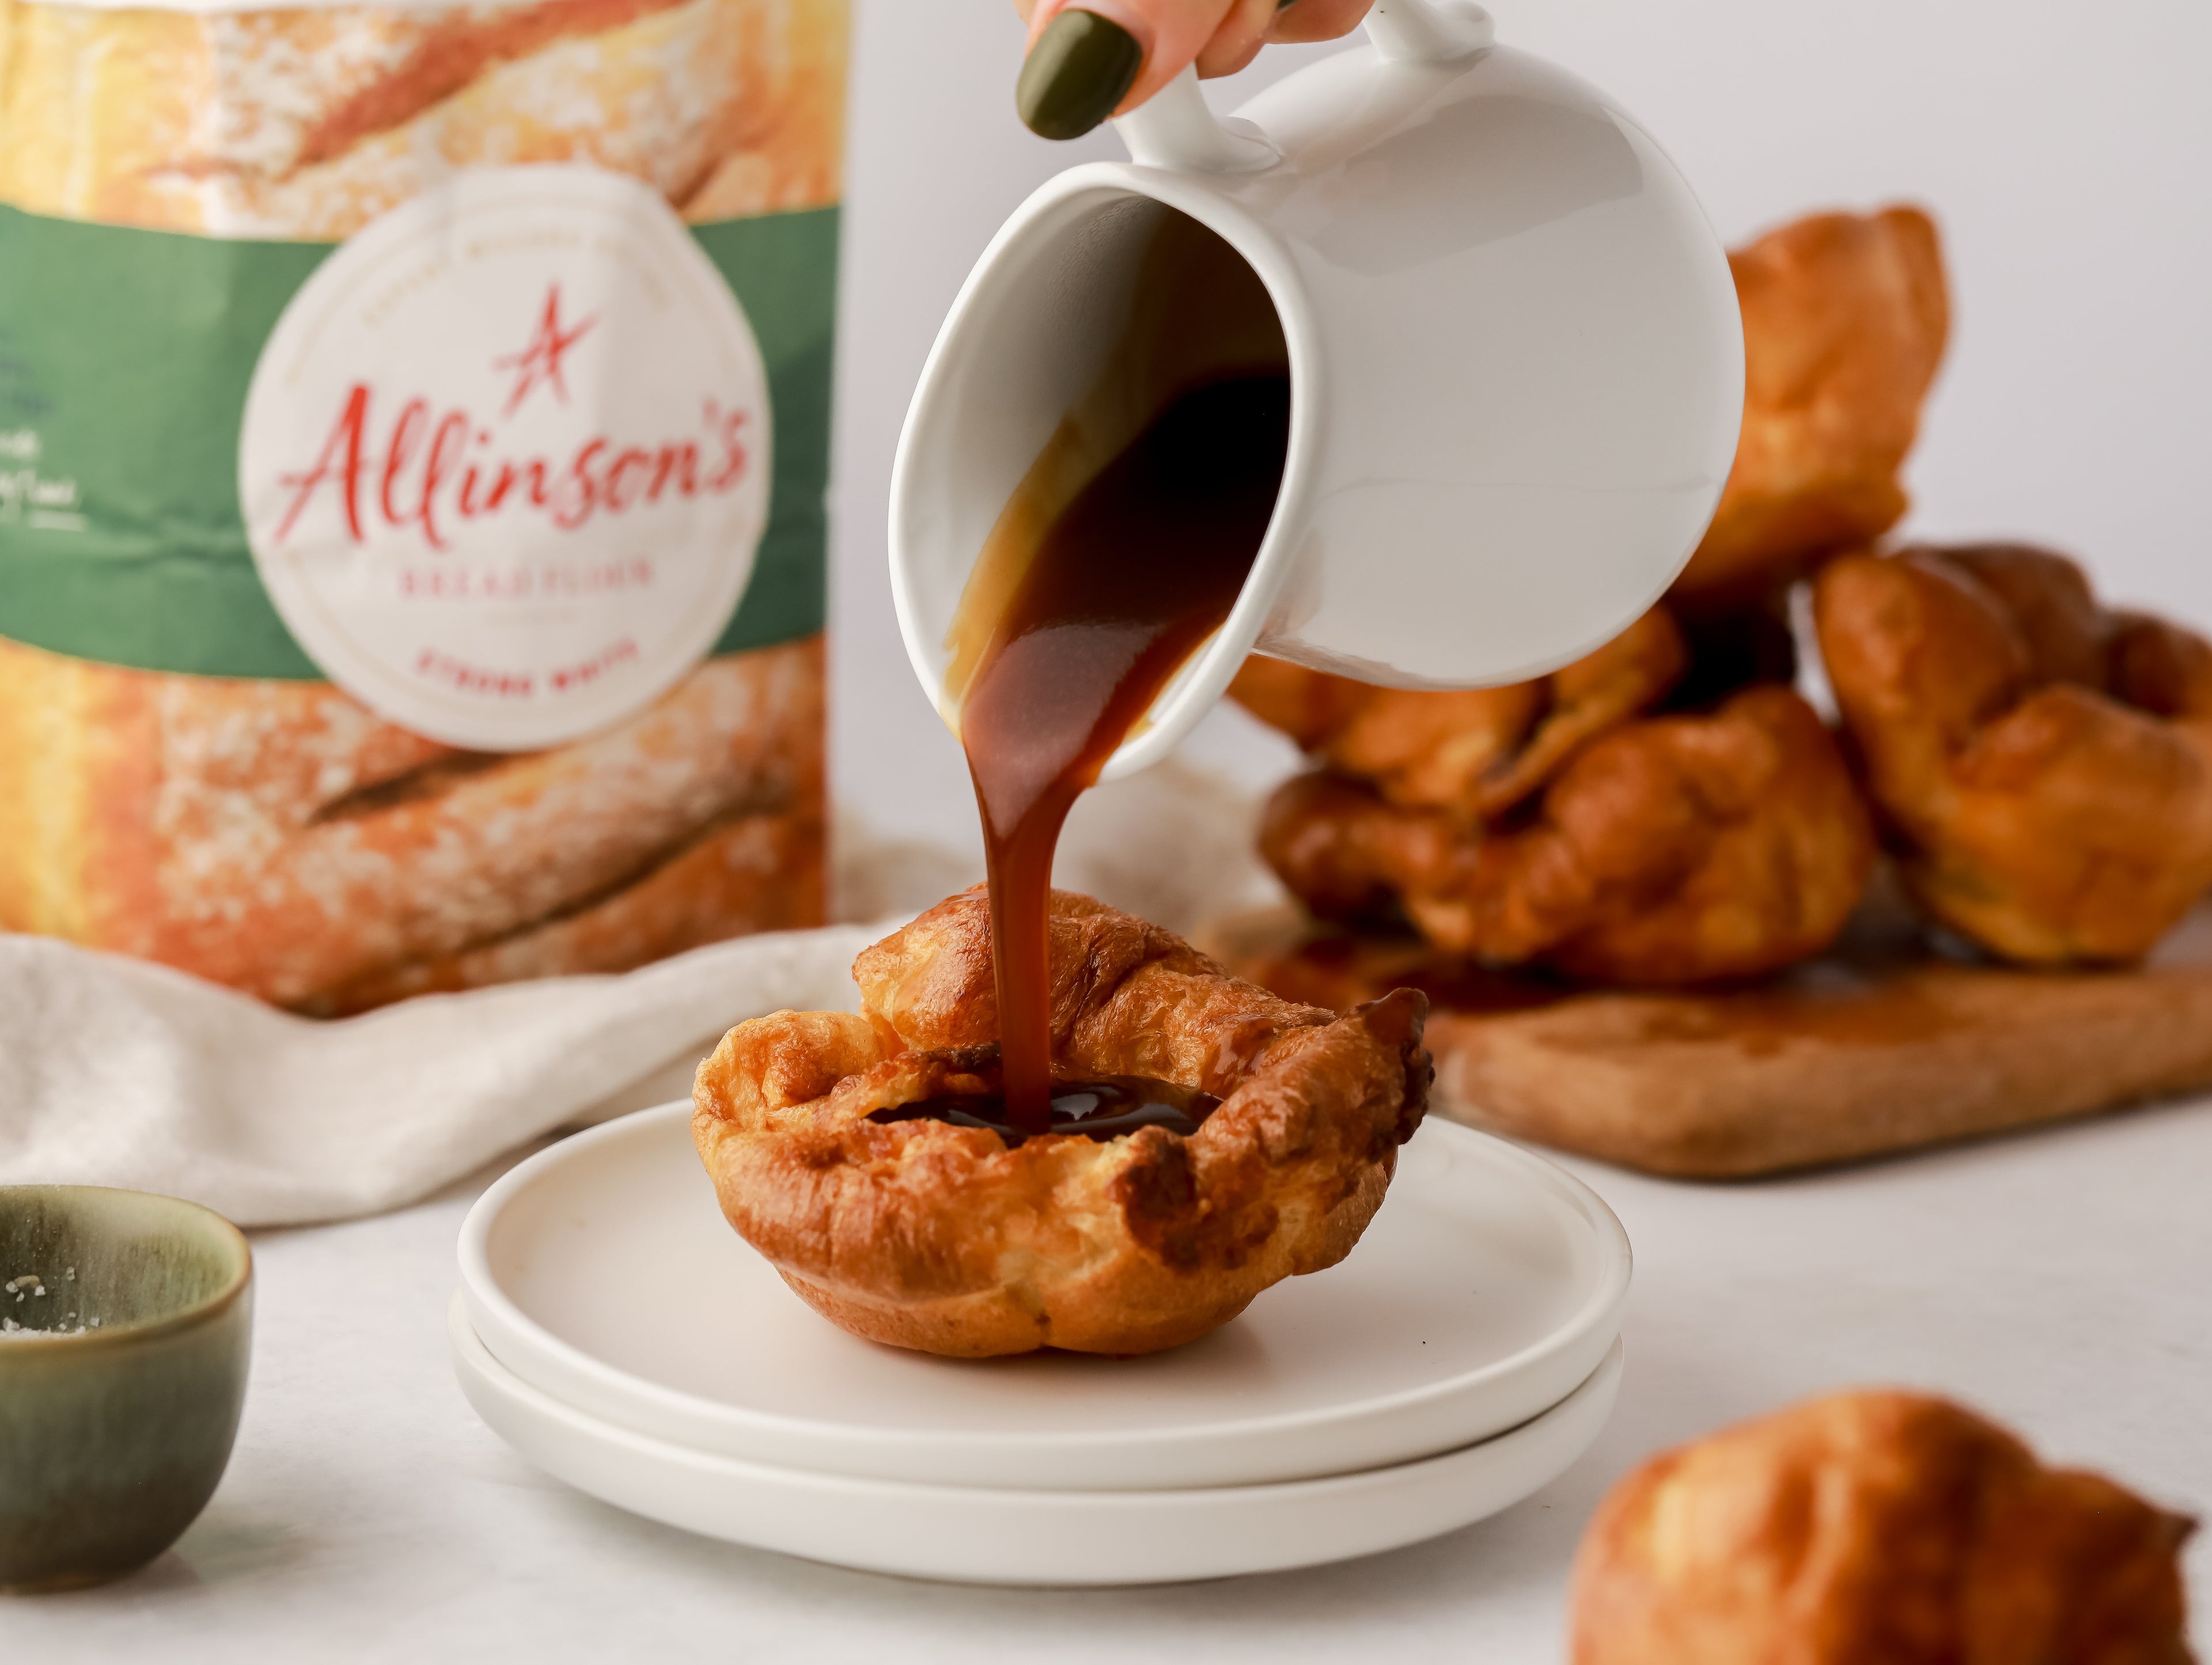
<point>1096,584</point>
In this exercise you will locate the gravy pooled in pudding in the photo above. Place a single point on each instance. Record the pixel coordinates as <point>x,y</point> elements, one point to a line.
<point>1100,581</point>
<point>1100,1109</point>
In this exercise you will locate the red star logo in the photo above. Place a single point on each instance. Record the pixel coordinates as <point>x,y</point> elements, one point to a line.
<point>540,361</point>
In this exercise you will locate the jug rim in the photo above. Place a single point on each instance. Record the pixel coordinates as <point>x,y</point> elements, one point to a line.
<point>1054,211</point>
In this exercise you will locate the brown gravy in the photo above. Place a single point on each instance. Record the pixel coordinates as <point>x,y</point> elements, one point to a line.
<point>1085,607</point>
<point>1102,1110</point>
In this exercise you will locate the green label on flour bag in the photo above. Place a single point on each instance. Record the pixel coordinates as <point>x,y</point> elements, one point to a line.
<point>519,394</point>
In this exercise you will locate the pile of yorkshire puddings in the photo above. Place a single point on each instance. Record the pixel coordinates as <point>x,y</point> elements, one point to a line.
<point>1670,811</point>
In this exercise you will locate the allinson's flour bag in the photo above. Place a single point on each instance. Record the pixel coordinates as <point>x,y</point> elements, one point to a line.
<point>414,427</point>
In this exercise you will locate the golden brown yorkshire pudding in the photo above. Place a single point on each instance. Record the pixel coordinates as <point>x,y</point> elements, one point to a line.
<point>1844,318</point>
<point>1875,1529</point>
<point>1473,753</point>
<point>1676,850</point>
<point>927,1235</point>
<point>2046,766</point>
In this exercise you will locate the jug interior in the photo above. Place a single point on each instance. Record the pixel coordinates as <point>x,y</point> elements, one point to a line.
<point>1133,324</point>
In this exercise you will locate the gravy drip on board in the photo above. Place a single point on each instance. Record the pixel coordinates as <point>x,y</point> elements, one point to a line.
<point>1120,552</point>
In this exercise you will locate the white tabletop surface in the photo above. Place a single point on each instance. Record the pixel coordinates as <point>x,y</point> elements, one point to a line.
<point>2061,1282</point>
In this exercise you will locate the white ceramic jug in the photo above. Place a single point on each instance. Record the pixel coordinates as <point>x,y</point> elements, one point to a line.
<point>1516,363</point>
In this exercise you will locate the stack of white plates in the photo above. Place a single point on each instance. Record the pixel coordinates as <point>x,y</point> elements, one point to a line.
<point>617,1333</point>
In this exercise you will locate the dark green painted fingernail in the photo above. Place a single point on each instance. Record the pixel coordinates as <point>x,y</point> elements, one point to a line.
<point>1081,66</point>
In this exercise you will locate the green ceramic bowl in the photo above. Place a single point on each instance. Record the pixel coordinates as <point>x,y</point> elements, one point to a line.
<point>125,1324</point>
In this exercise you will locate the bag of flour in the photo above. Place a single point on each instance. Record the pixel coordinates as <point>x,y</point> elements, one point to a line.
<point>414,431</point>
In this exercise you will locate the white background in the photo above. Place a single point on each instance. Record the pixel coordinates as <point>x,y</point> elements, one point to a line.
<point>2067,152</point>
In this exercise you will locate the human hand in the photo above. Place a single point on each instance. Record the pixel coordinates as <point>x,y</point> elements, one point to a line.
<point>1090,59</point>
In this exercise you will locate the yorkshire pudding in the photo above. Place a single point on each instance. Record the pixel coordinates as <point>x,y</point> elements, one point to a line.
<point>1875,1529</point>
<point>940,1238</point>
<point>1844,321</point>
<point>1473,753</point>
<point>1674,849</point>
<point>2044,766</point>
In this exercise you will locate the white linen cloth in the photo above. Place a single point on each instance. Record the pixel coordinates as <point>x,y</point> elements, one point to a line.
<point>115,1071</point>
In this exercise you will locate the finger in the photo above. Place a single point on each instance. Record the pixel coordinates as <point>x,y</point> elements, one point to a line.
<point>1318,20</point>
<point>1094,60</point>
<point>1237,39</point>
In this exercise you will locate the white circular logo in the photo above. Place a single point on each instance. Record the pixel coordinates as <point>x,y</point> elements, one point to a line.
<point>506,456</point>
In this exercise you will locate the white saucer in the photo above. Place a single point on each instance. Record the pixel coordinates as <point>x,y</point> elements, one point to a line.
<point>1489,1286</point>
<point>1006,1536</point>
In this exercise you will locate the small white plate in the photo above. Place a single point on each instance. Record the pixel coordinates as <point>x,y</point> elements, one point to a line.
<point>977,1536</point>
<point>1489,1286</point>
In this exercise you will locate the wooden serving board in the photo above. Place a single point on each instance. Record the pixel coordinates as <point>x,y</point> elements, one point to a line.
<point>1882,1045</point>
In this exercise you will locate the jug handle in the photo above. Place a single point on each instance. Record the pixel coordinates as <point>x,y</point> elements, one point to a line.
<point>1175,129</point>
